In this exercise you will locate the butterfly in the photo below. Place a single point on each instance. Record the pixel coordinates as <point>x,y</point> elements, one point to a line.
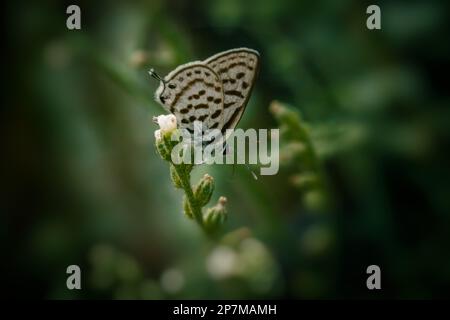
<point>214,91</point>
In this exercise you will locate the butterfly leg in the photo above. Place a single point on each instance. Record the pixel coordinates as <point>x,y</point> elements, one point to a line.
<point>226,151</point>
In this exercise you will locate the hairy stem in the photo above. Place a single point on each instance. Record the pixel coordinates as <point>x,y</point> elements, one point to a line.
<point>186,185</point>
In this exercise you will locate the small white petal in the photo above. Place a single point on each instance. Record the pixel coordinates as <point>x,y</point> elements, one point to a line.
<point>158,134</point>
<point>167,123</point>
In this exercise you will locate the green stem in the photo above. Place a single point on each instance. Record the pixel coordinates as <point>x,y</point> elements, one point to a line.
<point>186,185</point>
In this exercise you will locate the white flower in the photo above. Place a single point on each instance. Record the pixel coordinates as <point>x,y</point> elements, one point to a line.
<point>167,123</point>
<point>222,262</point>
<point>172,280</point>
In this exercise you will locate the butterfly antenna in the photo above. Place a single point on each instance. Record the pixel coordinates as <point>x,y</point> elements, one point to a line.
<point>153,73</point>
<point>226,150</point>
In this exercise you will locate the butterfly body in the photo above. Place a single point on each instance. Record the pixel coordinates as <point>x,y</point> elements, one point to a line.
<point>214,91</point>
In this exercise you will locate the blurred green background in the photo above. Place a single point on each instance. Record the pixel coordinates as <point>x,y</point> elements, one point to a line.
<point>83,184</point>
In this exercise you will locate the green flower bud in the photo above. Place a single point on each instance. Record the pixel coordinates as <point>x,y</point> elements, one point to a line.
<point>203,191</point>
<point>315,200</point>
<point>291,151</point>
<point>187,208</point>
<point>163,148</point>
<point>175,177</point>
<point>276,108</point>
<point>284,114</point>
<point>305,180</point>
<point>216,216</point>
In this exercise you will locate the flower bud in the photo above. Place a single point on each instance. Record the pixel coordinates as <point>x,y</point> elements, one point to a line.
<point>216,216</point>
<point>291,151</point>
<point>315,200</point>
<point>162,146</point>
<point>276,107</point>
<point>306,180</point>
<point>279,110</point>
<point>204,189</point>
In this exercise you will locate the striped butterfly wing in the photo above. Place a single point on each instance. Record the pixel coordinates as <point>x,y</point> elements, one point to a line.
<point>191,92</point>
<point>237,69</point>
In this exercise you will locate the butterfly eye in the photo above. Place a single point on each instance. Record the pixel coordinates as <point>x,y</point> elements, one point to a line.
<point>172,86</point>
